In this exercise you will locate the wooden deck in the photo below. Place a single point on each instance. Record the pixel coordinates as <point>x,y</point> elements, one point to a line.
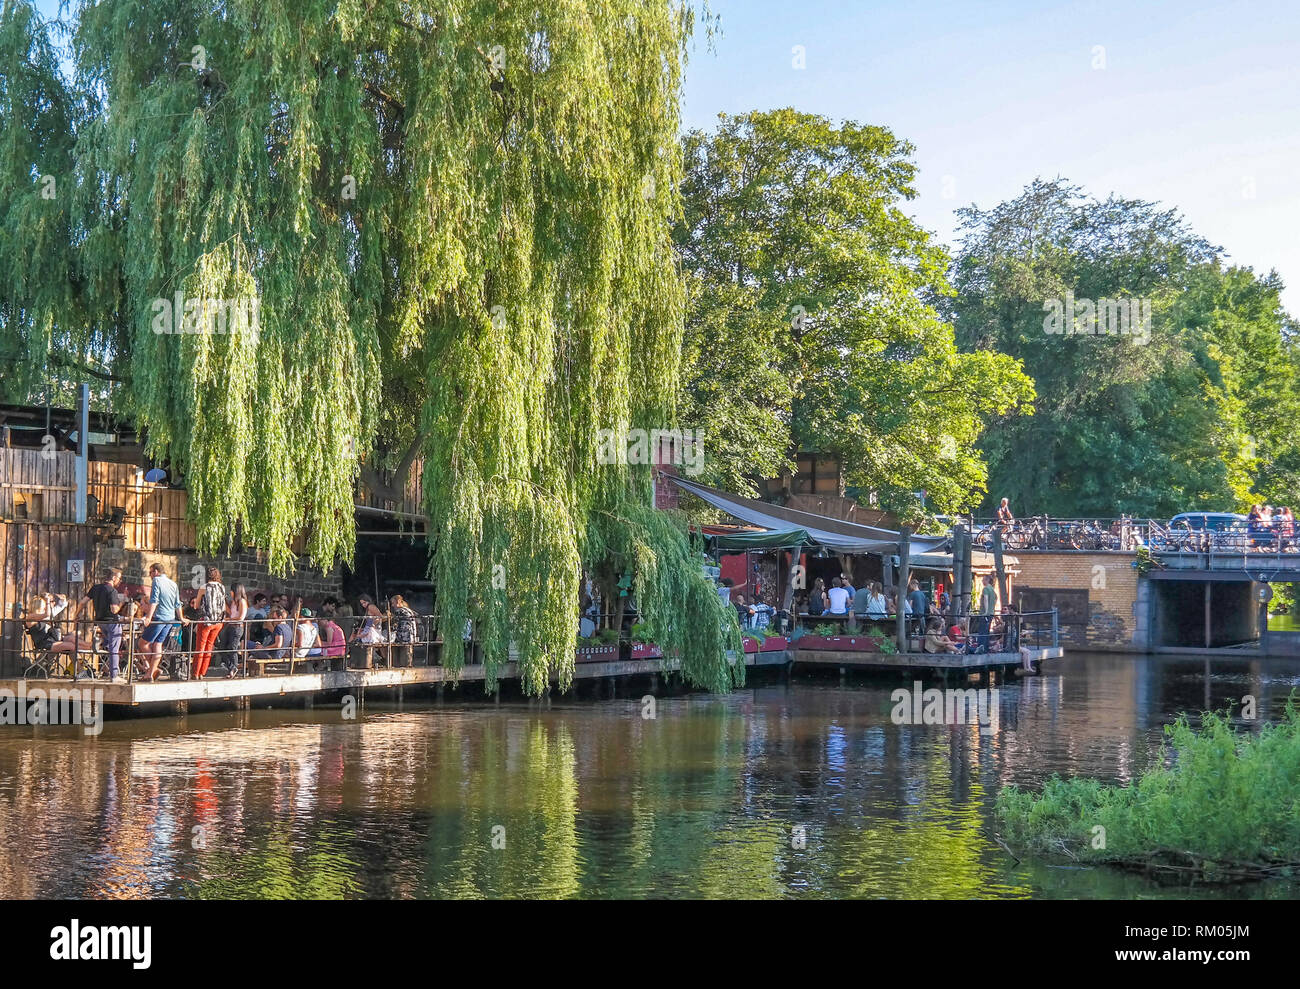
<point>920,661</point>
<point>218,688</point>
<point>170,693</point>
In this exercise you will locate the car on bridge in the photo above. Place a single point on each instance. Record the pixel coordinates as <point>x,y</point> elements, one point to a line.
<point>1209,522</point>
<point>1200,531</point>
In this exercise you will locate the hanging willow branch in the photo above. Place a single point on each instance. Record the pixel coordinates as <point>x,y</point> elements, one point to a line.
<point>452,219</point>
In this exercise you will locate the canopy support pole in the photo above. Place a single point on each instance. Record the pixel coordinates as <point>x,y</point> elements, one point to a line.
<point>904,572</point>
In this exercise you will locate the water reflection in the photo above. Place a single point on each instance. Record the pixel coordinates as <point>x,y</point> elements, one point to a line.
<point>801,790</point>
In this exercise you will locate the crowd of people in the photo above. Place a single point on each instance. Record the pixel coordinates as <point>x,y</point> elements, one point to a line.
<point>213,619</point>
<point>987,628</point>
<point>1272,527</point>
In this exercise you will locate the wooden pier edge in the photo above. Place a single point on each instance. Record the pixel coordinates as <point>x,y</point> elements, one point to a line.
<point>172,693</point>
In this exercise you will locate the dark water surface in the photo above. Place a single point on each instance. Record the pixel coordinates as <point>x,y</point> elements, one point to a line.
<point>589,798</point>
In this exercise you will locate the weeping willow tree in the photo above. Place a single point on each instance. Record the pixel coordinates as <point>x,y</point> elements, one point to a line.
<point>302,236</point>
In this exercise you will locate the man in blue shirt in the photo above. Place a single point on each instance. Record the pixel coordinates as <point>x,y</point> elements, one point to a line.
<point>281,640</point>
<point>160,617</point>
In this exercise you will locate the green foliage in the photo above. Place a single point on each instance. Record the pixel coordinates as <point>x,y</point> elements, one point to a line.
<point>808,325</point>
<point>827,628</point>
<point>884,642</point>
<point>1224,801</point>
<point>455,219</point>
<point>1144,562</point>
<point>1190,419</point>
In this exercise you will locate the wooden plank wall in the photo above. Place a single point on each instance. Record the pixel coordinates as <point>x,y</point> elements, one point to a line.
<point>38,484</point>
<point>155,516</point>
<point>34,558</point>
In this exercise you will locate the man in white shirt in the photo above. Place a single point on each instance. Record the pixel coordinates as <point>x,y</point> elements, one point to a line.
<point>839,598</point>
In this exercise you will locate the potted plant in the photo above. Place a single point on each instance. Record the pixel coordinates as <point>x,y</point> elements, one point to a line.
<point>642,646</point>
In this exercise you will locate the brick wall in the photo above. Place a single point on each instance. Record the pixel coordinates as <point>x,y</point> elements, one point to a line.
<point>249,569</point>
<point>1109,579</point>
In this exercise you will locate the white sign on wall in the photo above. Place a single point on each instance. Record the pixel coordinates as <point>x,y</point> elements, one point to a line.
<point>76,571</point>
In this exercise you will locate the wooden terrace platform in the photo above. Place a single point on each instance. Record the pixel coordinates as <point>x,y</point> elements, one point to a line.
<point>173,693</point>
<point>921,660</point>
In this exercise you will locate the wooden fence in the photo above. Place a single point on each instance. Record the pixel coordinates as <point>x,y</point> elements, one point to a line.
<point>38,484</point>
<point>35,557</point>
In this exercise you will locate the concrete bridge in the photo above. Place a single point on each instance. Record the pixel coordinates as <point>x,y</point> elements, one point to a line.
<point>1177,602</point>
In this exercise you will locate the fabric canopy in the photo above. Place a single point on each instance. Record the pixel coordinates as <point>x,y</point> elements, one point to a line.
<point>768,539</point>
<point>821,530</point>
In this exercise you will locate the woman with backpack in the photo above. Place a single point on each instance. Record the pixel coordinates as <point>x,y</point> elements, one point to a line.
<point>211,606</point>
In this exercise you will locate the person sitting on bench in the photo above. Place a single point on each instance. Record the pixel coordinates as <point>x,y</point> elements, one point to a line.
<point>281,641</point>
<point>307,635</point>
<point>39,622</point>
<point>936,641</point>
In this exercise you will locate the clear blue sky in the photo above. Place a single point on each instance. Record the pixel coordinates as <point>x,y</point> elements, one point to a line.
<point>1197,107</point>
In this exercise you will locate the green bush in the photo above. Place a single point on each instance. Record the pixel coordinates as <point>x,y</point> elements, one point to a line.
<point>1217,804</point>
<point>884,642</point>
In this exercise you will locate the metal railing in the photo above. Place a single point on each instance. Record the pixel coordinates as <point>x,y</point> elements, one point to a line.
<point>1127,534</point>
<point>1123,534</point>
<point>1004,632</point>
<point>60,648</point>
<point>1255,539</point>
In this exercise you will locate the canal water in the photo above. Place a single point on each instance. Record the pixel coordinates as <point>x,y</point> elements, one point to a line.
<point>800,789</point>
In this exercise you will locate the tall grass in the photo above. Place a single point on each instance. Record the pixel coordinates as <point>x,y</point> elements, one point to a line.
<point>1217,804</point>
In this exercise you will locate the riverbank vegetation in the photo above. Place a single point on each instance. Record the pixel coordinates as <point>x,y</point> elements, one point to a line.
<point>1218,805</point>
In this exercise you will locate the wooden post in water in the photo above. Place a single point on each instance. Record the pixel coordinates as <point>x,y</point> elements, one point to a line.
<point>997,567</point>
<point>904,571</point>
<point>959,571</point>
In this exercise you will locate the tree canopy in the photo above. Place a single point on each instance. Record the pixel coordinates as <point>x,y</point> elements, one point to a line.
<point>452,221</point>
<point>1195,415</point>
<point>811,323</point>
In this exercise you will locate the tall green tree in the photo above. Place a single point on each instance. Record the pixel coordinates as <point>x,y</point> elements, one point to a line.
<point>453,220</point>
<point>812,304</point>
<point>1147,423</point>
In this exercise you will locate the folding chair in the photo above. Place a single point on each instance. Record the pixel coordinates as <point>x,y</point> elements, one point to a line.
<point>42,660</point>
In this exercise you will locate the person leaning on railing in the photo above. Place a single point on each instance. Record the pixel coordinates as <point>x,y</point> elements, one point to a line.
<point>982,622</point>
<point>404,631</point>
<point>369,633</point>
<point>231,641</point>
<point>211,603</point>
<point>161,616</point>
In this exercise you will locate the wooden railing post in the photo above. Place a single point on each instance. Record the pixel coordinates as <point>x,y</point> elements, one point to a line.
<point>904,572</point>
